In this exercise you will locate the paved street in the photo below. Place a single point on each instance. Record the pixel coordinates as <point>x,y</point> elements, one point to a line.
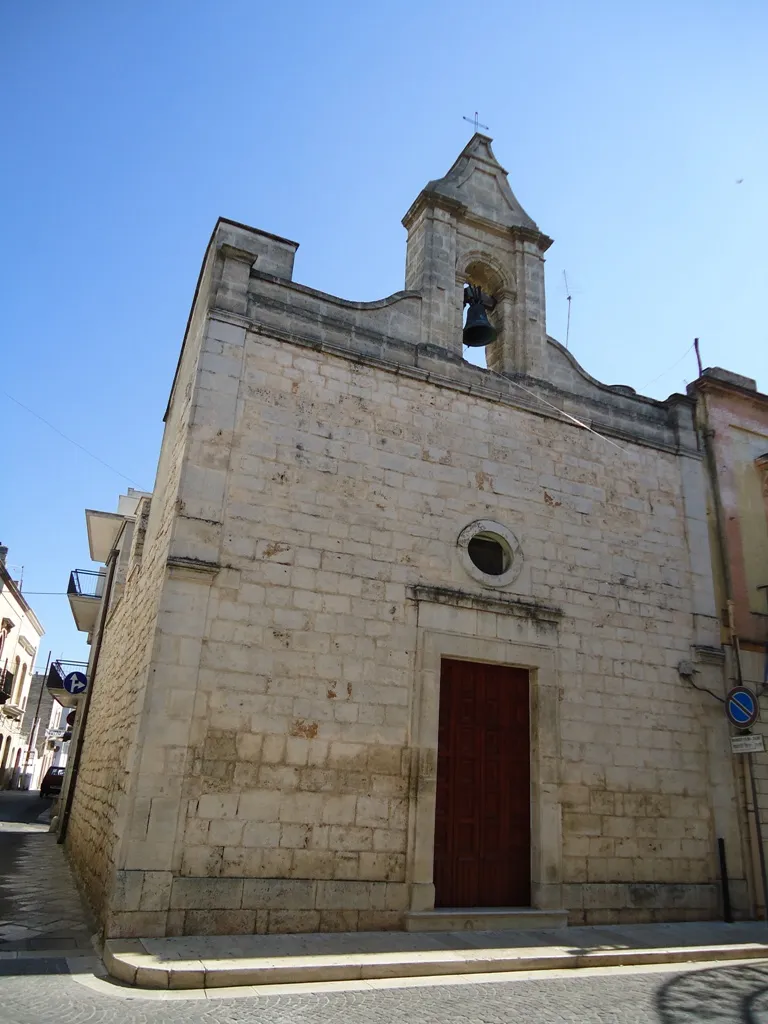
<point>18,806</point>
<point>716,995</point>
<point>48,972</point>
<point>39,905</point>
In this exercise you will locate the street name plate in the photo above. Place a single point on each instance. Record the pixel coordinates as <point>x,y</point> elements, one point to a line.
<point>750,744</point>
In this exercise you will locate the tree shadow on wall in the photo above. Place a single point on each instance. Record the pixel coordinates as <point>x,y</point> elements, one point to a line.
<point>737,994</point>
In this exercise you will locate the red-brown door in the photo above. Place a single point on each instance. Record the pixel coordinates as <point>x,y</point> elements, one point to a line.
<point>483,814</point>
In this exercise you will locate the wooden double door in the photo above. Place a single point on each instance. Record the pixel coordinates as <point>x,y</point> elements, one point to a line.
<point>483,812</point>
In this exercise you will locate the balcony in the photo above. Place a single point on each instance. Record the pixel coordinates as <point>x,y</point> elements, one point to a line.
<point>6,692</point>
<point>57,673</point>
<point>85,591</point>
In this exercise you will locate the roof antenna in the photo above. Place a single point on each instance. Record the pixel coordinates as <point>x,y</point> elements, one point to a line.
<point>568,297</point>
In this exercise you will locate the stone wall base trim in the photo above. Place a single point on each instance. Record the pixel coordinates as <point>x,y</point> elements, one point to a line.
<point>142,924</point>
<point>136,924</point>
<point>245,906</point>
<point>667,898</point>
<point>293,905</point>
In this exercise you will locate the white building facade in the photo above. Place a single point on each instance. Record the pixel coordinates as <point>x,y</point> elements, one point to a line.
<point>20,635</point>
<point>46,733</point>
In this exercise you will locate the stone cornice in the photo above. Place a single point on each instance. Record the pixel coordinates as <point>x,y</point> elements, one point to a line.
<point>708,655</point>
<point>257,231</point>
<point>499,603</point>
<point>27,646</point>
<point>334,300</point>
<point>714,384</point>
<point>234,253</point>
<point>192,568</point>
<point>18,597</point>
<point>424,199</point>
<point>437,200</point>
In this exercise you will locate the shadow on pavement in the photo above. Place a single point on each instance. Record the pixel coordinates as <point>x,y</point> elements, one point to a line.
<point>721,995</point>
<point>23,805</point>
<point>40,906</point>
<point>34,966</point>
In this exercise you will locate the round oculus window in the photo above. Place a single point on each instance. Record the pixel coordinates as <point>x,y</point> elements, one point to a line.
<point>490,553</point>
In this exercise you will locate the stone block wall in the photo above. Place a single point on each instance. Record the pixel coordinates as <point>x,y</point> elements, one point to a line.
<point>99,796</point>
<point>277,652</point>
<point>321,490</point>
<point>104,795</point>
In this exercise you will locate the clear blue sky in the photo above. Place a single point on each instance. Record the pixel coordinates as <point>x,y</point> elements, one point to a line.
<point>129,127</point>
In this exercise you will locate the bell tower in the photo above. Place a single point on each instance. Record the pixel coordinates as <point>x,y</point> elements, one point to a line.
<point>469,229</point>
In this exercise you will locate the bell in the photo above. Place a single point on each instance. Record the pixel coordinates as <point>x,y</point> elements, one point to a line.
<point>478,330</point>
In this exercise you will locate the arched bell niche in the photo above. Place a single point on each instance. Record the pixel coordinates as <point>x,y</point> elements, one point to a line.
<point>483,271</point>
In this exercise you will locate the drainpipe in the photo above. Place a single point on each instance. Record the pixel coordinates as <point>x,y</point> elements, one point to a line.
<point>722,548</point>
<point>82,709</point>
<point>765,670</point>
<point>722,545</point>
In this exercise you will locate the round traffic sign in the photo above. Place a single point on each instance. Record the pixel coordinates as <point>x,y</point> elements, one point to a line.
<point>741,707</point>
<point>75,683</point>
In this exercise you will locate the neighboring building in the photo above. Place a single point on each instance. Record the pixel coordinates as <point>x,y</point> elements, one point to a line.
<point>20,633</point>
<point>93,593</point>
<point>58,734</point>
<point>45,721</point>
<point>733,421</point>
<point>397,632</point>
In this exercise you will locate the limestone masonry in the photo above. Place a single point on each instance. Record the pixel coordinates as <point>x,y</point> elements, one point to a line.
<point>335,481</point>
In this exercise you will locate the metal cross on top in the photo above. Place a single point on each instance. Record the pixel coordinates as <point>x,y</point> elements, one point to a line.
<point>474,120</point>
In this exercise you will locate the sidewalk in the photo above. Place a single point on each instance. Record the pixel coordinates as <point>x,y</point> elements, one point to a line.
<point>40,908</point>
<point>229,960</point>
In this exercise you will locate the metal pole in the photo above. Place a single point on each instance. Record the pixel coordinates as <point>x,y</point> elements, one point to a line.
<point>698,355</point>
<point>37,712</point>
<point>759,830</point>
<point>727,915</point>
<point>765,670</point>
<point>735,641</point>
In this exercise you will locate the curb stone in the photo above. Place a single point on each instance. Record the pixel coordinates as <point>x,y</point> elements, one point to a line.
<point>128,961</point>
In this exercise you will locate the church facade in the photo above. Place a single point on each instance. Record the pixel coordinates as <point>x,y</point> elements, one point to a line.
<point>400,639</point>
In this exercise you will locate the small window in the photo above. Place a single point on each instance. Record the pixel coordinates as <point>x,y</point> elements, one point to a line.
<point>16,699</point>
<point>488,554</point>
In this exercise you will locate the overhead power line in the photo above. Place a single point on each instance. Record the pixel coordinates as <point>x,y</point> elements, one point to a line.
<point>70,439</point>
<point>642,388</point>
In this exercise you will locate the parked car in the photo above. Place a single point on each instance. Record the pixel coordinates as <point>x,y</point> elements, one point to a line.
<point>52,782</point>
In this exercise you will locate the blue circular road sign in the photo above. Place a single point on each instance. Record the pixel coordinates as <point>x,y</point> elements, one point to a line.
<point>741,707</point>
<point>75,683</point>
